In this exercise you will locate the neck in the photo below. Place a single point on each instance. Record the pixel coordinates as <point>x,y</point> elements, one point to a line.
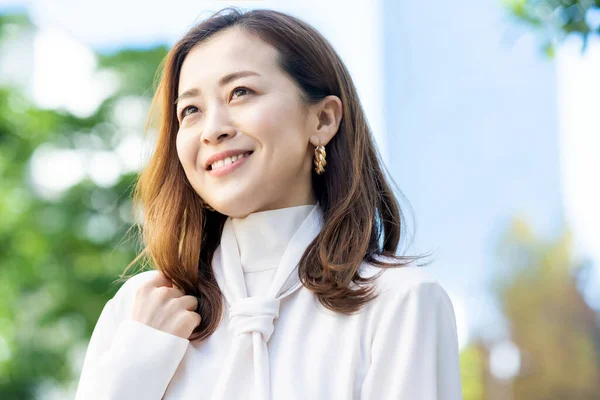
<point>263,236</point>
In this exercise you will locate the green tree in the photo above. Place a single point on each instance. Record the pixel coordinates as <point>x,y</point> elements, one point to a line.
<point>555,329</point>
<point>472,369</point>
<point>558,18</point>
<point>59,258</point>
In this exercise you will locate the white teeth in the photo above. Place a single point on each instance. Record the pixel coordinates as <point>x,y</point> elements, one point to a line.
<point>227,161</point>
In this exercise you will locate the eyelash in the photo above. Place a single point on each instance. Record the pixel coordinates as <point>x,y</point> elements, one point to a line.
<point>182,114</point>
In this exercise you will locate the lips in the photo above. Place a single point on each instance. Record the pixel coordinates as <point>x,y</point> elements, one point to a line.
<point>223,162</point>
<point>223,155</point>
<point>229,168</point>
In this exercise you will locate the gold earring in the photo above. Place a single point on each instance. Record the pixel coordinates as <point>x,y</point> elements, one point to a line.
<point>320,161</point>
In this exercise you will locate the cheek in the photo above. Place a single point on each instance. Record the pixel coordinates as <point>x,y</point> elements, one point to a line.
<point>260,120</point>
<point>273,122</point>
<point>185,150</point>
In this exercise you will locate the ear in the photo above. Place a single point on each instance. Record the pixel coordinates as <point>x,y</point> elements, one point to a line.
<point>327,115</point>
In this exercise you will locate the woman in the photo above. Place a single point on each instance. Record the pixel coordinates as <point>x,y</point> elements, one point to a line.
<point>273,232</point>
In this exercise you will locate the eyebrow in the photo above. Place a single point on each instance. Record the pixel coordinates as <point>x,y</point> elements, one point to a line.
<point>193,92</point>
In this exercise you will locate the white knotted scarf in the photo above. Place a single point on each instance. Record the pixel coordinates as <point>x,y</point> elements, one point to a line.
<point>251,319</point>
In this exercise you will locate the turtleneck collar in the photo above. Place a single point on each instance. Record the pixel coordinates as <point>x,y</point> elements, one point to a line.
<point>263,236</point>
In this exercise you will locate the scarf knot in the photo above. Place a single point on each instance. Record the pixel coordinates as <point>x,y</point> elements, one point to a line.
<point>254,314</point>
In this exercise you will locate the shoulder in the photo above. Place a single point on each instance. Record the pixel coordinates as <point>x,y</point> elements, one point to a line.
<point>399,279</point>
<point>409,286</point>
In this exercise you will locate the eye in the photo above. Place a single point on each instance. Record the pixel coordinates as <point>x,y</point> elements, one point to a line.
<point>184,112</point>
<point>240,88</point>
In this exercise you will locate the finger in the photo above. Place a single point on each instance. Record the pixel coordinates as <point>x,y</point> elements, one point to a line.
<point>196,318</point>
<point>189,302</point>
<point>168,292</point>
<point>159,279</point>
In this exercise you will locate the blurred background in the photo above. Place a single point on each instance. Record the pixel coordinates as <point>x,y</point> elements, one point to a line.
<point>485,112</point>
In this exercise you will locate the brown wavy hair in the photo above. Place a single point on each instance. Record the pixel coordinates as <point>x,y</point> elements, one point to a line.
<point>362,217</point>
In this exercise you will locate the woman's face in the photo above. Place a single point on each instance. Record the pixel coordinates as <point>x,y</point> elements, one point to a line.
<point>258,111</point>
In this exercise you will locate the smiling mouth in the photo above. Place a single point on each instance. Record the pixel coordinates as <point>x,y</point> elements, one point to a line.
<point>222,163</point>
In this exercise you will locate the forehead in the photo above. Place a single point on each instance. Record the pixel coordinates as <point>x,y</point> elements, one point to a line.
<point>225,52</point>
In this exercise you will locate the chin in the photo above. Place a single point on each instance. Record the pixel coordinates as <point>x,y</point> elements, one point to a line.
<point>236,213</point>
<point>234,208</point>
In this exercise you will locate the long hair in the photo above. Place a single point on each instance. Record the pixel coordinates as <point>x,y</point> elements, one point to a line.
<point>362,217</point>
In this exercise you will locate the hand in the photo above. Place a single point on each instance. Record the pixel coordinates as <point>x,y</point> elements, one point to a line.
<point>161,306</point>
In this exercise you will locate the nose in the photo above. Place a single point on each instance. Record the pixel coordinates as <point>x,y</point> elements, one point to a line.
<point>217,126</point>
